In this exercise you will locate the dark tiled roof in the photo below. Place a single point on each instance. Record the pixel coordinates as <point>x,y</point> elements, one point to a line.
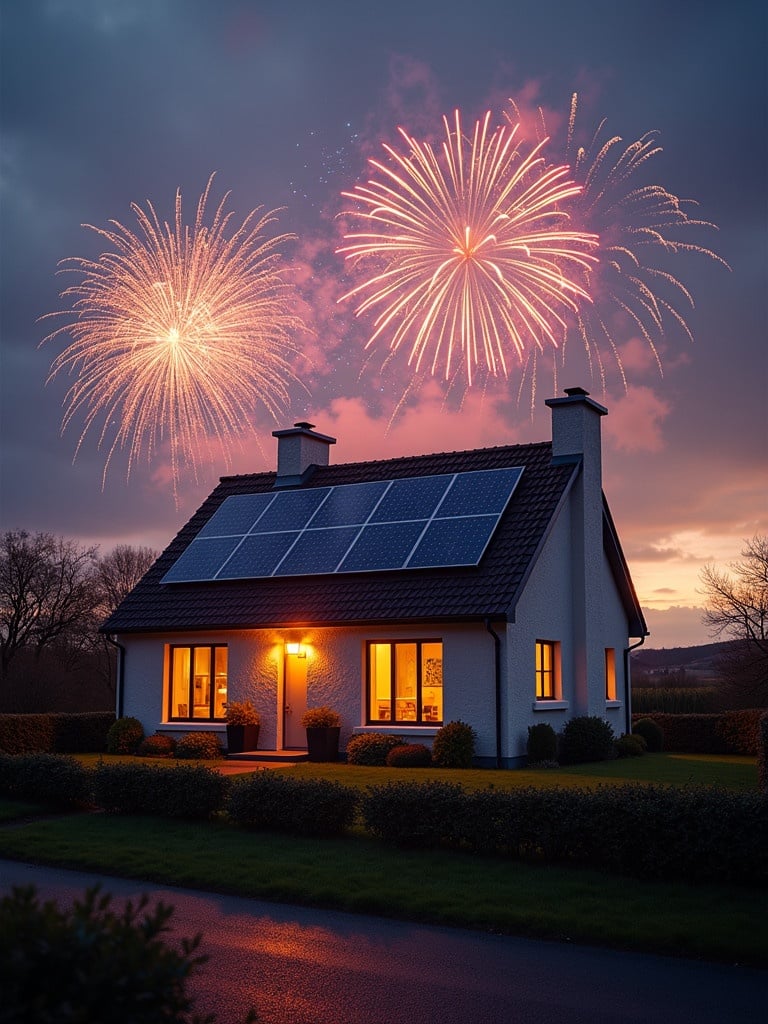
<point>487,590</point>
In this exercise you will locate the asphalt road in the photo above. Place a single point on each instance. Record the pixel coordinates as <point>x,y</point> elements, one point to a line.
<point>302,966</point>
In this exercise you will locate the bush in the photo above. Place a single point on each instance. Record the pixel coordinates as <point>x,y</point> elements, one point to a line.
<point>55,733</point>
<point>762,756</point>
<point>321,718</point>
<point>542,743</point>
<point>89,963</point>
<point>308,807</point>
<point>124,736</point>
<point>157,745</point>
<point>57,779</point>
<point>651,733</point>
<point>242,712</point>
<point>674,700</point>
<point>630,746</point>
<point>199,746</point>
<point>454,745</point>
<point>184,791</point>
<point>371,748</point>
<point>412,813</point>
<point>586,738</point>
<point>409,755</point>
<point>729,732</point>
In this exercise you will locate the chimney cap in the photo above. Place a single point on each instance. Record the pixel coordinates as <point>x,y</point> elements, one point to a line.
<point>569,391</point>
<point>305,425</point>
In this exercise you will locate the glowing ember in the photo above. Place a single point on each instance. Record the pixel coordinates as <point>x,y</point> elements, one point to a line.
<point>468,248</point>
<point>178,331</point>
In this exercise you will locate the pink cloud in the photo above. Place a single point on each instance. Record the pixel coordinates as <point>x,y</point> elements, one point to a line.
<point>635,421</point>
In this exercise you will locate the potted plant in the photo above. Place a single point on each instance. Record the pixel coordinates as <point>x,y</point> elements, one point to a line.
<point>243,723</point>
<point>323,726</point>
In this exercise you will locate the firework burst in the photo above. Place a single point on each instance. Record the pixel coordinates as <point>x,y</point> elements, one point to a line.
<point>178,331</point>
<point>465,251</point>
<point>643,229</point>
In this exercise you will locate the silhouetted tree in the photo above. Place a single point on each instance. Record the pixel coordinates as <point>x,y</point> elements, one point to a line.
<point>737,610</point>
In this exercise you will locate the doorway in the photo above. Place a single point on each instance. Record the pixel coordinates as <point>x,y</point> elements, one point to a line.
<point>294,702</point>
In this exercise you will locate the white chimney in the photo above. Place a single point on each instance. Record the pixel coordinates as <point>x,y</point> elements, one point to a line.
<point>299,449</point>
<point>576,438</point>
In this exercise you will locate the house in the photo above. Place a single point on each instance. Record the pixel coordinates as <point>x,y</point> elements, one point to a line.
<point>487,586</point>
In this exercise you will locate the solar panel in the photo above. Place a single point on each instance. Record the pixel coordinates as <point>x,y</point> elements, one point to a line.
<point>407,523</point>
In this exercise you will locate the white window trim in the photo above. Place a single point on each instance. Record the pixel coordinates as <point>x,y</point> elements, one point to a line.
<point>550,705</point>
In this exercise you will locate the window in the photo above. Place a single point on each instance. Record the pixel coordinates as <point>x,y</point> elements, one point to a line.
<point>610,673</point>
<point>405,682</point>
<point>547,670</point>
<point>197,685</point>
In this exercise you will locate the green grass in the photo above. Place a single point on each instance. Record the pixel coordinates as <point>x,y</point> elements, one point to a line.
<point>736,773</point>
<point>13,810</point>
<point>356,874</point>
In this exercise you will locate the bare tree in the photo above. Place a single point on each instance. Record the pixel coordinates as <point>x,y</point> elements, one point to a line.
<point>737,610</point>
<point>118,573</point>
<point>47,591</point>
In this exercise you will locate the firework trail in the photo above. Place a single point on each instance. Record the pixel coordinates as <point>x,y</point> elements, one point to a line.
<point>178,331</point>
<point>466,253</point>
<point>643,228</point>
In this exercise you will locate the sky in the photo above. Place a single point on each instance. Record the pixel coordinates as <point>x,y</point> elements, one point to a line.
<point>104,103</point>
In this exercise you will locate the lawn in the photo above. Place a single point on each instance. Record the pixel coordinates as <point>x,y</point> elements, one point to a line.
<point>358,874</point>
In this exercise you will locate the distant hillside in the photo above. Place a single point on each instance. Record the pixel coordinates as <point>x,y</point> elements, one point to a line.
<point>700,660</point>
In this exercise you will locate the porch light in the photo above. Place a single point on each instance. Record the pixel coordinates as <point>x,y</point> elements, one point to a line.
<point>296,649</point>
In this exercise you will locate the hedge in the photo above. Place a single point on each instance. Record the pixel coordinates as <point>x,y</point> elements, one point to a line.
<point>56,779</point>
<point>762,756</point>
<point>307,807</point>
<point>55,733</point>
<point>184,791</point>
<point>729,732</point>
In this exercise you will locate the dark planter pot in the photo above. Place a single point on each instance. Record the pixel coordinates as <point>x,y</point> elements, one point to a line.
<point>241,738</point>
<point>323,743</point>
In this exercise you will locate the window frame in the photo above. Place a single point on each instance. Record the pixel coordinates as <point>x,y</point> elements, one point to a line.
<point>543,673</point>
<point>173,698</point>
<point>419,721</point>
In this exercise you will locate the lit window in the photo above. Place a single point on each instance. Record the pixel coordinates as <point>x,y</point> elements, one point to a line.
<point>197,687</point>
<point>547,670</point>
<point>610,673</point>
<point>405,682</point>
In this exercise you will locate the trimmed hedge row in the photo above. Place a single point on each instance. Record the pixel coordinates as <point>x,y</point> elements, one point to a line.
<point>729,732</point>
<point>184,791</point>
<point>762,756</point>
<point>56,779</point>
<point>644,831</point>
<point>55,733</point>
<point>308,807</point>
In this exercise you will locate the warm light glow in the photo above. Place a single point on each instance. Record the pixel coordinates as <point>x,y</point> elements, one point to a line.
<point>178,332</point>
<point>466,250</point>
<point>296,649</point>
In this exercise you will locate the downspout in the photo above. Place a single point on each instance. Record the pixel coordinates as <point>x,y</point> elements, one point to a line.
<point>497,690</point>
<point>120,674</point>
<point>627,683</point>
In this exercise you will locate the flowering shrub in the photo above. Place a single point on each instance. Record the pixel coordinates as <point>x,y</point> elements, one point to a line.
<point>125,736</point>
<point>157,745</point>
<point>198,746</point>
<point>321,718</point>
<point>242,712</point>
<point>371,748</point>
<point>409,755</point>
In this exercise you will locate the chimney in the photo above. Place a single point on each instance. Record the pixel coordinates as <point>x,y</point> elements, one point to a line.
<point>576,439</point>
<point>299,450</point>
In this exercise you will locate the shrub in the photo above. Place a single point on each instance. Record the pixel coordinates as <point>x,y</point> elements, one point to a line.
<point>542,743</point>
<point>651,733</point>
<point>321,718</point>
<point>586,738</point>
<point>309,807</point>
<point>157,745</point>
<point>675,700</point>
<point>630,745</point>
<point>198,746</point>
<point>124,736</point>
<point>762,756</point>
<point>412,813</point>
<point>98,963</point>
<point>371,748</point>
<point>454,745</point>
<point>409,755</point>
<point>729,732</point>
<point>242,712</point>
<point>55,733</point>
<point>57,779</point>
<point>184,791</point>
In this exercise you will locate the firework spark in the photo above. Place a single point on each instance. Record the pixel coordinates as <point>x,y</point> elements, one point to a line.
<point>178,331</point>
<point>468,255</point>
<point>643,228</point>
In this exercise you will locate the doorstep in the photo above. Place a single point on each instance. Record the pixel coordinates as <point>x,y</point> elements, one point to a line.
<point>271,756</point>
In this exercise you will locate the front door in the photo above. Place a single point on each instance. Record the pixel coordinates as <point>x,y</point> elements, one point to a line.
<point>295,702</point>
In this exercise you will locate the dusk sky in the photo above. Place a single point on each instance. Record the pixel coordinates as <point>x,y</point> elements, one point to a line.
<point>109,102</point>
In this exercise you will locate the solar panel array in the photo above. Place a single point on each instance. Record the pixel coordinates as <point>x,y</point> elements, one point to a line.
<point>408,523</point>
